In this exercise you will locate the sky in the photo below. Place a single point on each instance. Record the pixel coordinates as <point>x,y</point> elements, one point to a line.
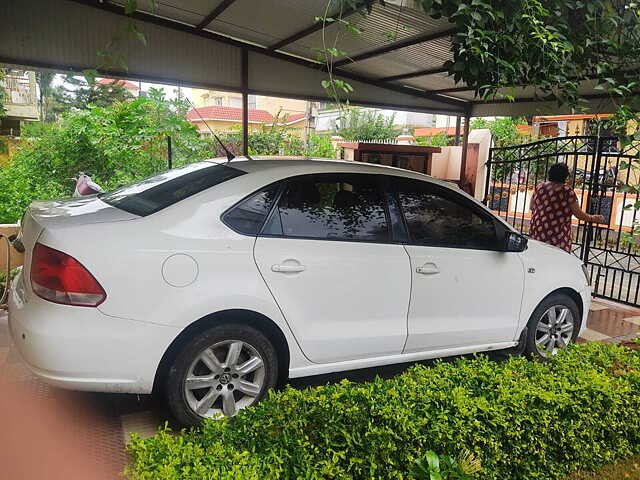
<point>170,90</point>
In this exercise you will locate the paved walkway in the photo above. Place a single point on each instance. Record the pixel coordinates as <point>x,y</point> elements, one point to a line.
<point>100,424</point>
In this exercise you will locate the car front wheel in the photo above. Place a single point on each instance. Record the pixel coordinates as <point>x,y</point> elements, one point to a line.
<point>219,372</point>
<point>554,324</point>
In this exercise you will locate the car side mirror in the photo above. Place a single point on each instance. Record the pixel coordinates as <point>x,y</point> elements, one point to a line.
<point>514,242</point>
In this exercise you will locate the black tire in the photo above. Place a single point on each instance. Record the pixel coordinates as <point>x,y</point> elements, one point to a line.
<point>538,317</point>
<point>181,400</point>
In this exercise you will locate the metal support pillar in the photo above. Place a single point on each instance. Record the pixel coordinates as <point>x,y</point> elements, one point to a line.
<point>245,102</point>
<point>465,146</point>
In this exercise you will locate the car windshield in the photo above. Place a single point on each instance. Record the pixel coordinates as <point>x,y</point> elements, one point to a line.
<point>155,193</point>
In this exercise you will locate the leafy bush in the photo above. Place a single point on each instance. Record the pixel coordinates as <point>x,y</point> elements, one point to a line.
<point>115,145</point>
<point>503,130</point>
<point>440,139</point>
<point>3,274</point>
<point>365,125</point>
<point>435,467</point>
<point>320,146</point>
<point>520,419</point>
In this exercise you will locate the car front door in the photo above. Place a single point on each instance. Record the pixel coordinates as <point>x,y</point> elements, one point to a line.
<point>327,255</point>
<point>465,290</point>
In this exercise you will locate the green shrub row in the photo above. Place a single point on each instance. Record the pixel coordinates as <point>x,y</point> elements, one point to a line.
<point>521,419</point>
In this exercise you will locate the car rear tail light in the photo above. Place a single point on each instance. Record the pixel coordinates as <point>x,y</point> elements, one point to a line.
<point>60,278</point>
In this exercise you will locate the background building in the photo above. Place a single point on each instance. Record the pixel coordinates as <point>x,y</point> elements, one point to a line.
<point>21,101</point>
<point>222,111</point>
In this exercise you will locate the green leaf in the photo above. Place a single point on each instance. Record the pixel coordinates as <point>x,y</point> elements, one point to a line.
<point>141,37</point>
<point>130,7</point>
<point>433,460</point>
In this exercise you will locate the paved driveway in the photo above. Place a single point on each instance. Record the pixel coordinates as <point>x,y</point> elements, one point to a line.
<point>98,425</point>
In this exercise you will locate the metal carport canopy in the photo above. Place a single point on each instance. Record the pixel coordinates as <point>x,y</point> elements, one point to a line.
<point>262,47</point>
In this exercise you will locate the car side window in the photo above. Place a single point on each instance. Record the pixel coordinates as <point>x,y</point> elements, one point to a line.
<point>333,207</point>
<point>248,216</point>
<point>435,217</point>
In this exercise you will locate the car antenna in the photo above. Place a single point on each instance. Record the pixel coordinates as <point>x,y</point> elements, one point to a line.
<point>230,156</point>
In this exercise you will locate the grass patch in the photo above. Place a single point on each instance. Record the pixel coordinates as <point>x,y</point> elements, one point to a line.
<point>626,470</point>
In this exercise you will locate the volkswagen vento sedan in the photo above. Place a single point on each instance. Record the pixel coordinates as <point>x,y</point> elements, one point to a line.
<point>213,282</point>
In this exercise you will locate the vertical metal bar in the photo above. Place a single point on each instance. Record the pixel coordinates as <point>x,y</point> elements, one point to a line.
<point>613,283</point>
<point>582,226</point>
<point>245,101</point>
<point>593,186</point>
<point>524,200</point>
<point>515,207</point>
<point>629,286</point>
<point>457,139</point>
<point>509,197</point>
<point>169,153</point>
<point>487,179</point>
<point>603,197</point>
<point>619,297</point>
<point>624,202</point>
<point>465,146</point>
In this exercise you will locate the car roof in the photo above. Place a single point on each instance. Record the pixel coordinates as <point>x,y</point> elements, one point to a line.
<point>291,166</point>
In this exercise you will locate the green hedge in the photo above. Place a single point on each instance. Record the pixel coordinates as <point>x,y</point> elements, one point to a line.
<point>522,419</point>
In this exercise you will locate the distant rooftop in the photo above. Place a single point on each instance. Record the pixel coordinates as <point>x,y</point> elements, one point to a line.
<point>234,114</point>
<point>123,83</point>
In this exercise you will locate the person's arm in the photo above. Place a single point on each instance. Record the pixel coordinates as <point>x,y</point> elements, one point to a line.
<point>534,202</point>
<point>582,215</point>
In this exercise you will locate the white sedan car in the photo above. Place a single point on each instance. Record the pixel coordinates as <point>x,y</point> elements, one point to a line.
<point>213,282</point>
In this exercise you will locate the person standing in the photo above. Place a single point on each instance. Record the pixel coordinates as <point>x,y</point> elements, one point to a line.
<point>552,205</point>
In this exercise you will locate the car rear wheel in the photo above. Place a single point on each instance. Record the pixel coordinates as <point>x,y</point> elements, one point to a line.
<point>219,372</point>
<point>554,324</point>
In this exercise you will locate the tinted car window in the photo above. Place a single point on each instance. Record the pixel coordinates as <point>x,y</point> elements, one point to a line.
<point>155,193</point>
<point>333,207</point>
<point>436,217</point>
<point>248,216</point>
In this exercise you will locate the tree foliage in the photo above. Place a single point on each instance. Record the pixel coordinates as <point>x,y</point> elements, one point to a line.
<point>116,145</point>
<point>365,125</point>
<point>77,93</point>
<point>503,130</point>
<point>440,139</point>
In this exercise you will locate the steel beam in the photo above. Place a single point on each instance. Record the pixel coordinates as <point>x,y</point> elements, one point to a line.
<point>419,73</point>
<point>215,13</point>
<point>407,42</point>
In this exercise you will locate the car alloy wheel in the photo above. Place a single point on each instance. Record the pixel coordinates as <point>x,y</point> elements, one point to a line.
<point>224,378</point>
<point>554,330</point>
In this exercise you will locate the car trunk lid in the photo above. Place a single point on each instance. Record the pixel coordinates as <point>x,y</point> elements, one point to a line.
<point>60,214</point>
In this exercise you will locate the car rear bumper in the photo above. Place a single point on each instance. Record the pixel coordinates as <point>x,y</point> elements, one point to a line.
<point>81,348</point>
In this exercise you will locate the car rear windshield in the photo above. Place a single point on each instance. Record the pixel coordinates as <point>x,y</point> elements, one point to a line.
<point>155,193</point>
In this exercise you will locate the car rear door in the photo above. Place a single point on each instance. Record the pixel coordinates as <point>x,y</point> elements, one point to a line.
<point>328,256</point>
<point>465,290</point>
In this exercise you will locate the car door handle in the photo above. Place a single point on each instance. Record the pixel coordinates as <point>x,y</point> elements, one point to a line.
<point>428,269</point>
<point>288,268</point>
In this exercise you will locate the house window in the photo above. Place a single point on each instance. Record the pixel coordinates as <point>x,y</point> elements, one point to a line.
<point>217,101</point>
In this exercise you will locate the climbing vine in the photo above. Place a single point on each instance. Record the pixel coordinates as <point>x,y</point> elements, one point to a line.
<point>3,93</point>
<point>113,55</point>
<point>551,46</point>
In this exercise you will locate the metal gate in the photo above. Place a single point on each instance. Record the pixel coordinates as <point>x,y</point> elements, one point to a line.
<point>609,250</point>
